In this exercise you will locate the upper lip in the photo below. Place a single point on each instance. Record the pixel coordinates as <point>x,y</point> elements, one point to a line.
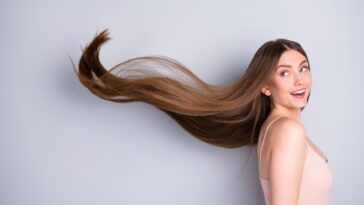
<point>299,89</point>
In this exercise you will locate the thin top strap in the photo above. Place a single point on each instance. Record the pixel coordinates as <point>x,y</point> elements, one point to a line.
<point>261,146</point>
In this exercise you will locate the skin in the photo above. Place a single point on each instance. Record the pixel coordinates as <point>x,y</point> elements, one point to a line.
<point>284,151</point>
<point>286,79</point>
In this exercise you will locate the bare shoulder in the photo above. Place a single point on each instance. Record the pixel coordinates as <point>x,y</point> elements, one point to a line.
<point>287,132</point>
<point>287,160</point>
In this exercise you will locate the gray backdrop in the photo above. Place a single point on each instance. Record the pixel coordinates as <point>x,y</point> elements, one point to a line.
<point>59,144</point>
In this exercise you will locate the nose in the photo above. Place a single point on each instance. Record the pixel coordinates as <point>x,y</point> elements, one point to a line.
<point>298,79</point>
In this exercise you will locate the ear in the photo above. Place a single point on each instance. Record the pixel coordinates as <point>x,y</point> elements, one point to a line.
<point>265,90</point>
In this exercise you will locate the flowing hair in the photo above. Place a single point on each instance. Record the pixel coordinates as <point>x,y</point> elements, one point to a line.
<point>228,115</point>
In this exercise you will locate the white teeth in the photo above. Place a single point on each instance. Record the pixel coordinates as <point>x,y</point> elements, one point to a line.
<point>299,91</point>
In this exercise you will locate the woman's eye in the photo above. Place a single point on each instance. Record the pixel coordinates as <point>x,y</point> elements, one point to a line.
<point>284,73</point>
<point>304,69</point>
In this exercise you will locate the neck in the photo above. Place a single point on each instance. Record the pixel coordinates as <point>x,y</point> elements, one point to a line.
<point>292,113</point>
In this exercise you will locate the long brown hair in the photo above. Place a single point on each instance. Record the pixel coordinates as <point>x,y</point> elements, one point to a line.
<point>228,115</point>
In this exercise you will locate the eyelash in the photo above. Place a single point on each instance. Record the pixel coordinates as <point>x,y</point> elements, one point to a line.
<point>282,73</point>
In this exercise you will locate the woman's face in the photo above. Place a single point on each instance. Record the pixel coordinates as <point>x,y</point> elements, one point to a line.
<point>291,82</point>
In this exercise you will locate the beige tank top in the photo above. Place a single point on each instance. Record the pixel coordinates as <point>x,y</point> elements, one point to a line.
<point>316,180</point>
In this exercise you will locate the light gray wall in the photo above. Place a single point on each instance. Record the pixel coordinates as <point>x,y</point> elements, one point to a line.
<point>59,144</point>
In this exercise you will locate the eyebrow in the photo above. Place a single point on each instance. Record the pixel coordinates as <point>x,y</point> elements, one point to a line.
<point>288,66</point>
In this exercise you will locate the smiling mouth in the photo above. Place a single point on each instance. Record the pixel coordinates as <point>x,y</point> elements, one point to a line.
<point>299,93</point>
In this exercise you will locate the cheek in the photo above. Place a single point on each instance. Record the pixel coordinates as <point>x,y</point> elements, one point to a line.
<point>281,86</point>
<point>284,85</point>
<point>308,79</point>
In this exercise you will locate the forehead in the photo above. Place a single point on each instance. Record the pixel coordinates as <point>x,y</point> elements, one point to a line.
<point>291,57</point>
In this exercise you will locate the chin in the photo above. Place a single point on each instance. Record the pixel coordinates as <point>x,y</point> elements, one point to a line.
<point>298,106</point>
<point>301,106</point>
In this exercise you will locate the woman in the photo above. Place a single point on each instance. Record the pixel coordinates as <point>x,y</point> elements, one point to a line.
<point>287,158</point>
<point>260,108</point>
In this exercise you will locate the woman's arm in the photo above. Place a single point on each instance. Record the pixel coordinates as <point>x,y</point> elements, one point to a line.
<point>287,159</point>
